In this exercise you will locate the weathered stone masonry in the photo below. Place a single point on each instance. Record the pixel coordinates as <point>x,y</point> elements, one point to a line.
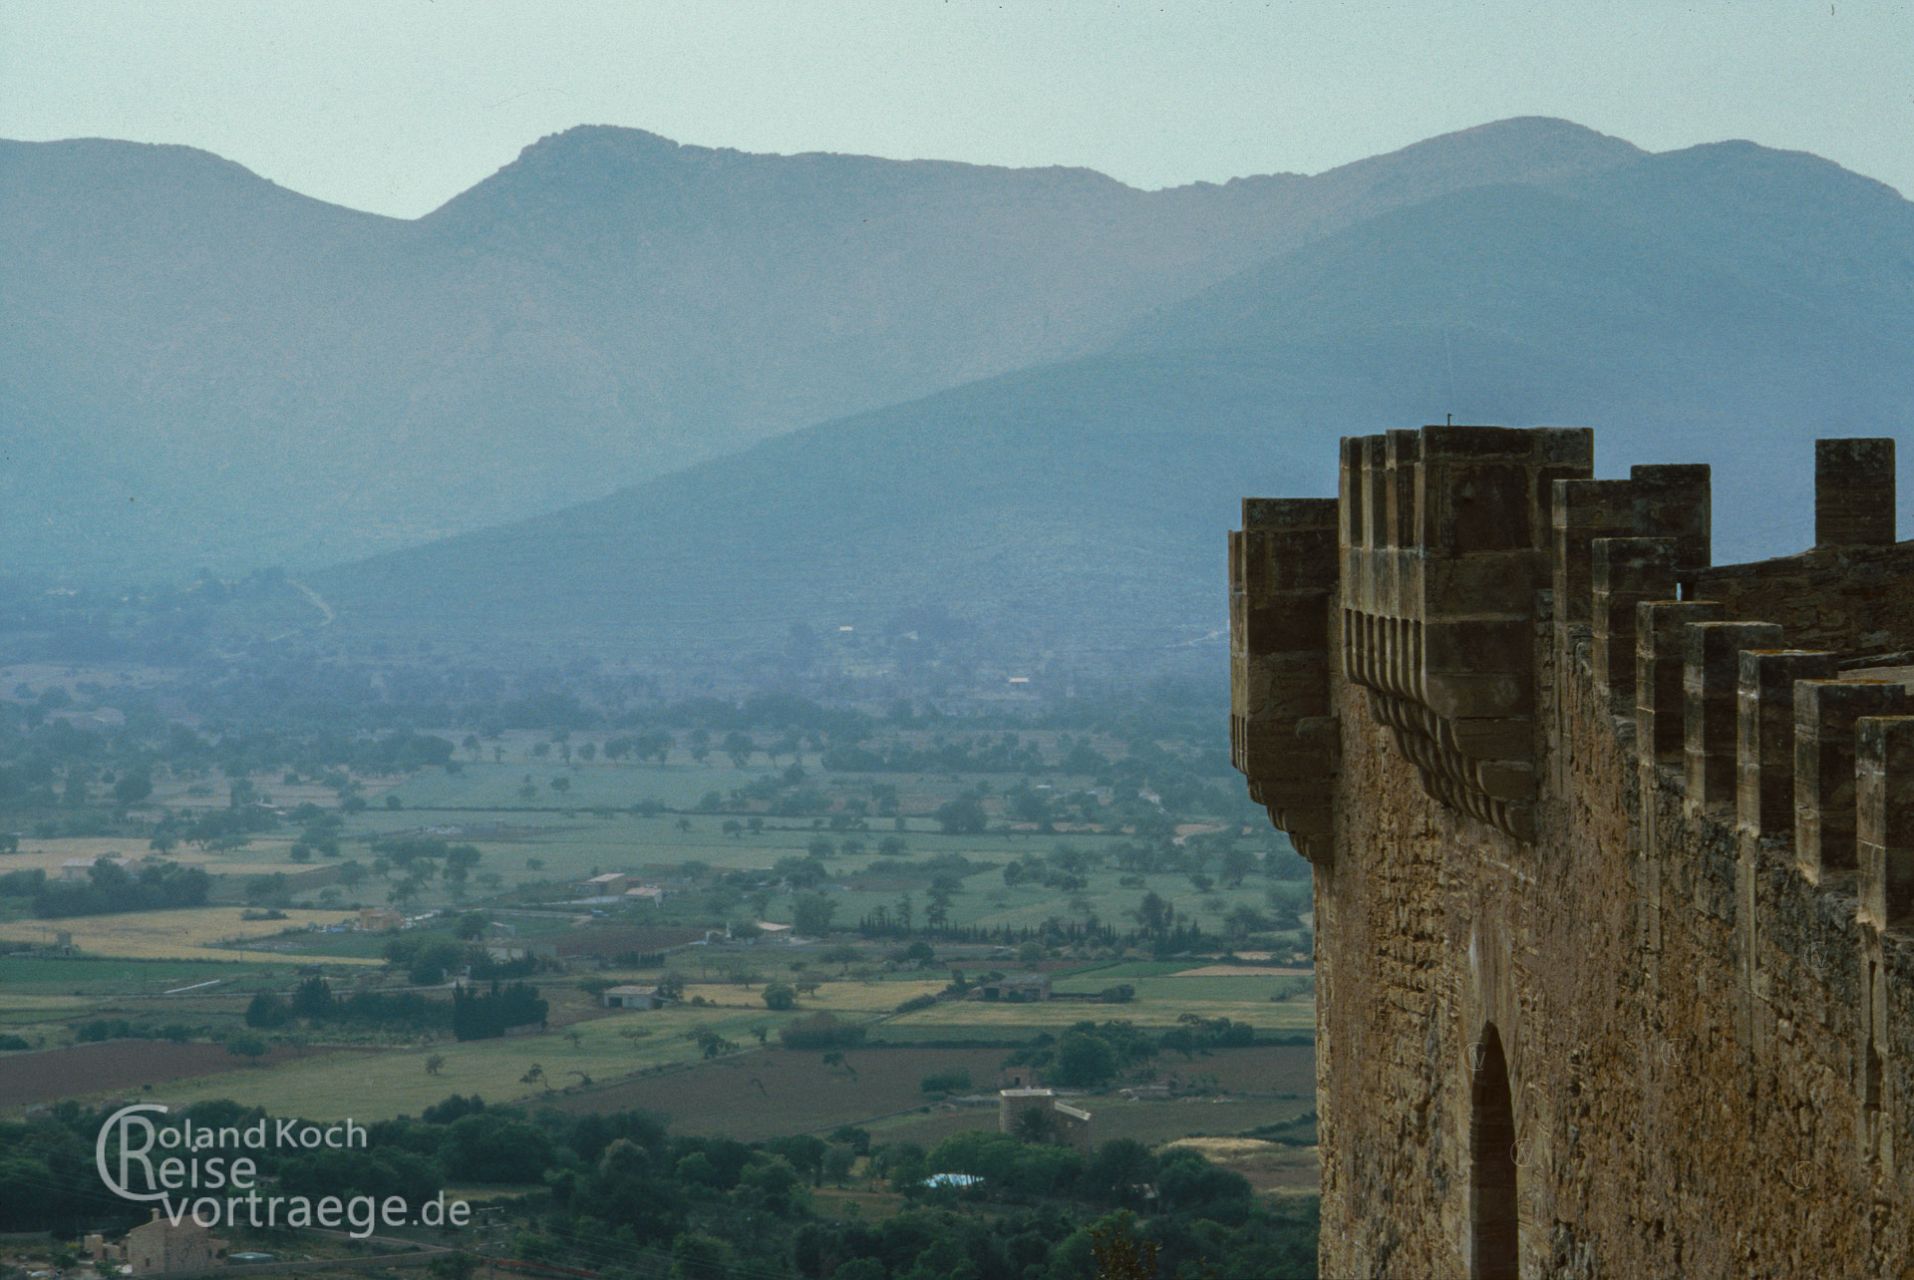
<point>1614,859</point>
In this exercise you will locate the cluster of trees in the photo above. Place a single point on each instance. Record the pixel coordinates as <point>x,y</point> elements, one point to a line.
<point>112,887</point>
<point>1089,1055</point>
<point>484,1015</point>
<point>949,753</point>
<point>821,1031</point>
<point>314,1001</point>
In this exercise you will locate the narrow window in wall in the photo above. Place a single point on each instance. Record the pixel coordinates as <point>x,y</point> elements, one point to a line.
<point>1492,1199</point>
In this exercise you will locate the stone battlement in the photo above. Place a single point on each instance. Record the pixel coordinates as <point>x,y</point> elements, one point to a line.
<point>1539,747</point>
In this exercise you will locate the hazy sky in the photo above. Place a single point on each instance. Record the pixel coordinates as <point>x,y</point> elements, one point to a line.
<point>396,105</point>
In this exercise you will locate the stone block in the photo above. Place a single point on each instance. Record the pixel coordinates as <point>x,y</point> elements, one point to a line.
<point>1349,492</point>
<point>1884,819</point>
<point>1675,501</point>
<point>1661,628</point>
<point>1826,713</point>
<point>1375,492</point>
<point>1711,681</point>
<point>1854,491</point>
<point>1625,572</point>
<point>1764,734</point>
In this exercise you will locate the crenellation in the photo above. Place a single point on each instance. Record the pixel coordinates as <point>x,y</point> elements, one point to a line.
<point>1851,598</point>
<point>1661,655</point>
<point>1404,454</point>
<point>1440,575</point>
<point>1711,690</point>
<point>1351,496</point>
<point>1654,502</point>
<point>1854,491</point>
<point>1691,931</point>
<point>1283,573</point>
<point>1626,572</point>
<point>1825,803</point>
<point>1884,819</point>
<point>1377,534</point>
<point>1764,735</point>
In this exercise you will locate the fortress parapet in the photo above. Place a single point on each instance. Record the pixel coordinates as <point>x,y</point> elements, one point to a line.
<point>1619,751</point>
<point>1282,736</point>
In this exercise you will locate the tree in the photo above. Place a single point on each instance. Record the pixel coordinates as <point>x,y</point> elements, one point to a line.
<point>453,1266</point>
<point>1237,863</point>
<point>1084,1060</point>
<point>838,1163</point>
<point>945,1082</point>
<point>811,914</point>
<point>434,1064</point>
<point>251,1048</point>
<point>133,786</point>
<point>739,747</point>
<point>963,816</point>
<point>1154,915</point>
<point>695,1256</point>
<point>1120,1253</point>
<point>1242,921</point>
<point>1033,1124</point>
<point>780,996</point>
<point>267,1011</point>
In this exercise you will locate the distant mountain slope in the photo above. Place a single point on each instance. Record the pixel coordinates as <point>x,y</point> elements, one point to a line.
<point>1678,303</point>
<point>202,367</point>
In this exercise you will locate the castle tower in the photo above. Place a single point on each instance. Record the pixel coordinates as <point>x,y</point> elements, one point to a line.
<point>1613,855</point>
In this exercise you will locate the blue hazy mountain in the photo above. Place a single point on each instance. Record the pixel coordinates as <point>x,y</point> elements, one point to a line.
<point>1723,304</point>
<point>204,368</point>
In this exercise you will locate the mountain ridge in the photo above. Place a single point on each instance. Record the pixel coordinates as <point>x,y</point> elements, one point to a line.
<point>1077,507</point>
<point>274,379</point>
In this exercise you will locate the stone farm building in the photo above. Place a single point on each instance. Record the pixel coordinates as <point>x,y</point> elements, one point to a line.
<point>1016,988</point>
<point>1064,1124</point>
<point>161,1246</point>
<point>633,997</point>
<point>380,919</point>
<point>1613,854</point>
<point>609,885</point>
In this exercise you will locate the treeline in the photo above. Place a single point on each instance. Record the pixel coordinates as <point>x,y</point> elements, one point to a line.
<point>314,1001</point>
<point>620,1194</point>
<point>821,1031</point>
<point>485,1015</point>
<point>109,887</point>
<point>976,753</point>
<point>470,1015</point>
<point>1089,1055</point>
<point>1169,939</point>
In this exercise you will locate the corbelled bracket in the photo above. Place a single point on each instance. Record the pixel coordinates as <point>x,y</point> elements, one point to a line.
<point>1445,541</point>
<point>1283,735</point>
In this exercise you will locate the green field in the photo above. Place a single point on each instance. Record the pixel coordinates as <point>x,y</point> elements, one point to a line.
<point>1147,1122</point>
<point>486,785</point>
<point>396,1082</point>
<point>106,976</point>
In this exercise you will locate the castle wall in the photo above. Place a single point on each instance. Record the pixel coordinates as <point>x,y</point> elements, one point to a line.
<point>1684,925</point>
